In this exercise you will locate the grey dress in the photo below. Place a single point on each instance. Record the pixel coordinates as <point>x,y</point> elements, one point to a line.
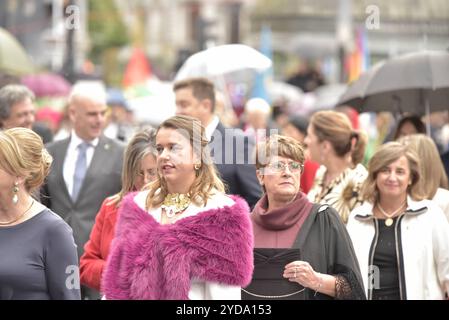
<point>38,260</point>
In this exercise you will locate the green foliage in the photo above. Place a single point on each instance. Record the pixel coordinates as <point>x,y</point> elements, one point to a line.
<point>106,28</point>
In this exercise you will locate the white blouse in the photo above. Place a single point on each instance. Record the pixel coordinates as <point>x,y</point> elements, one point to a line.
<point>199,289</point>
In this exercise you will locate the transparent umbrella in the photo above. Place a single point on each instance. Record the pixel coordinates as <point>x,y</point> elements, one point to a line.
<point>217,63</point>
<point>284,91</point>
<point>223,59</point>
<point>13,58</point>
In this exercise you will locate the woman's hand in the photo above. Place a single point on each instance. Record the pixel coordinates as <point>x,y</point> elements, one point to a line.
<point>302,273</point>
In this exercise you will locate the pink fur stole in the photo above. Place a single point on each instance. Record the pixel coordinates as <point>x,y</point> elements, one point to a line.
<point>153,261</point>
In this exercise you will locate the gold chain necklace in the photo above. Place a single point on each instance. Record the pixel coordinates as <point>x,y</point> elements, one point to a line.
<point>273,297</point>
<point>389,220</point>
<point>19,217</point>
<point>175,203</point>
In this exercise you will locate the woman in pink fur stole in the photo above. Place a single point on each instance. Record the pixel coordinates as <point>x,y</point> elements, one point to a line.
<point>182,238</point>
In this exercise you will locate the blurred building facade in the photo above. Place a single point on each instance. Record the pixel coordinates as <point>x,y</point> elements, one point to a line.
<point>310,28</point>
<point>41,26</point>
<point>175,28</point>
<point>170,30</point>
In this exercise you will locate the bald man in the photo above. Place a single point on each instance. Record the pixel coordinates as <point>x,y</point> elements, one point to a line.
<point>75,191</point>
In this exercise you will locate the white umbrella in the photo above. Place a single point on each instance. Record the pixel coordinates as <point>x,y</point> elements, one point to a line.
<point>13,57</point>
<point>223,59</point>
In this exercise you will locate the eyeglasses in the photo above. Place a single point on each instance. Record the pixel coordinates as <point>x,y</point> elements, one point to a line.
<point>281,166</point>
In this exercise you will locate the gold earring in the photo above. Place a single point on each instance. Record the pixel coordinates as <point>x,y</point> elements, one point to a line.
<point>15,189</point>
<point>197,167</point>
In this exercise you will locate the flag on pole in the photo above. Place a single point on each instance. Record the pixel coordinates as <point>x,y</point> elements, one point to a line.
<point>259,88</point>
<point>359,60</point>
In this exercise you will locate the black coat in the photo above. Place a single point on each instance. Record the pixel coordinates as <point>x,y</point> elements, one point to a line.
<point>233,155</point>
<point>325,244</point>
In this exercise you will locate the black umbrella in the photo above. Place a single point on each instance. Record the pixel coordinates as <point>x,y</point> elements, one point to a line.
<point>415,83</point>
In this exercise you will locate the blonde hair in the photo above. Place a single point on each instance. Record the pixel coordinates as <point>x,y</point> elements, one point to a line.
<point>140,145</point>
<point>206,178</point>
<point>386,154</point>
<point>336,128</point>
<point>281,146</point>
<point>433,175</point>
<point>22,154</point>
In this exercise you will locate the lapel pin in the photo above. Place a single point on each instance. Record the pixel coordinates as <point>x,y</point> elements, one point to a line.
<point>106,146</point>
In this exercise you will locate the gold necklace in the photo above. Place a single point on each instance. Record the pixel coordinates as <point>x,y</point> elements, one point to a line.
<point>175,203</point>
<point>19,217</point>
<point>389,220</point>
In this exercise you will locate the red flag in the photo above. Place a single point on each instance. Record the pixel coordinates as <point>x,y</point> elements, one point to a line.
<point>138,69</point>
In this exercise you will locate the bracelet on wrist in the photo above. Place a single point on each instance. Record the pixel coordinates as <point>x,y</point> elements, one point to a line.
<point>320,283</point>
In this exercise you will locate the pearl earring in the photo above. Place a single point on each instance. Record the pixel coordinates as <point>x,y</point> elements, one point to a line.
<point>15,189</point>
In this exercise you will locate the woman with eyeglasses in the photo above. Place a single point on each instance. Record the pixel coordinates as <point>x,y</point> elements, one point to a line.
<point>302,250</point>
<point>139,168</point>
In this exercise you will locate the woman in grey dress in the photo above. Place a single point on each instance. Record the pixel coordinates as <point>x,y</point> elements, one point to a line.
<point>37,250</point>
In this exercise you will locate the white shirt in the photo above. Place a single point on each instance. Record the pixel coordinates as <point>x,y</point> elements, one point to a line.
<point>199,289</point>
<point>209,130</point>
<point>68,170</point>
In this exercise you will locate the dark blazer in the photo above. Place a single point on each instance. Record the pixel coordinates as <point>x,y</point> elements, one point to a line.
<point>445,160</point>
<point>233,155</point>
<point>43,131</point>
<point>103,179</point>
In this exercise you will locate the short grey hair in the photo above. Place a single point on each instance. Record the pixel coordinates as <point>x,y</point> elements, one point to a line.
<point>11,95</point>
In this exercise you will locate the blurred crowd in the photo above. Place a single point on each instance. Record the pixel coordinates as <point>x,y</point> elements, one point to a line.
<point>349,191</point>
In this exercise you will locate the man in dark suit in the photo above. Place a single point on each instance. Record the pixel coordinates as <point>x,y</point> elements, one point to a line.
<point>86,167</point>
<point>231,150</point>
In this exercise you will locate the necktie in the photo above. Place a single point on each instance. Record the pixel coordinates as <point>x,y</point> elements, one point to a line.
<point>80,169</point>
